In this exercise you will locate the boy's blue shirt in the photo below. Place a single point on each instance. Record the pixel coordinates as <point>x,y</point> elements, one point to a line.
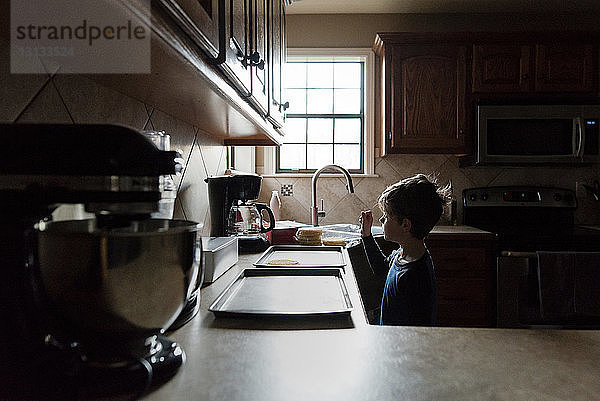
<point>410,292</point>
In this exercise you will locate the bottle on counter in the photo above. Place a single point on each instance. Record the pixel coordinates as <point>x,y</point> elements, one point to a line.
<point>275,204</point>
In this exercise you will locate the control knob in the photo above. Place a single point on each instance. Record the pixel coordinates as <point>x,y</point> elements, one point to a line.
<point>557,196</point>
<point>484,196</point>
<point>473,197</point>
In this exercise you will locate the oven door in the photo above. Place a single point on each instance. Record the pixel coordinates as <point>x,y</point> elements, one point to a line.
<point>548,290</point>
<point>517,299</point>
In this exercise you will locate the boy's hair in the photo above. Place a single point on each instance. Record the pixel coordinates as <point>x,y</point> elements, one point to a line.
<point>418,199</point>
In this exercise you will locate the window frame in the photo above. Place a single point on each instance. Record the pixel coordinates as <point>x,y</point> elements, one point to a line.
<point>365,55</point>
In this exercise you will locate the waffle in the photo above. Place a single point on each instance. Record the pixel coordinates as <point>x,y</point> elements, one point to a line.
<point>280,262</point>
<point>309,236</point>
<point>334,241</point>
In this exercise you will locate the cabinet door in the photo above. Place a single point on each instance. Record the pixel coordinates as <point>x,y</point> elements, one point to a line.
<point>425,112</point>
<point>464,270</point>
<point>258,55</point>
<point>276,59</point>
<point>238,45</point>
<point>464,302</point>
<point>565,67</point>
<point>501,68</point>
<point>202,20</point>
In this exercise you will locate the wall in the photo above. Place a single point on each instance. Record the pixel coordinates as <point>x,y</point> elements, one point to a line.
<point>78,99</point>
<point>359,31</point>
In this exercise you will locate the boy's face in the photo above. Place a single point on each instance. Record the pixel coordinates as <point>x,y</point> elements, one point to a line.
<point>393,230</point>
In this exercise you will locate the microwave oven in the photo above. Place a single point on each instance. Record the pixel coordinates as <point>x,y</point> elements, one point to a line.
<point>537,134</point>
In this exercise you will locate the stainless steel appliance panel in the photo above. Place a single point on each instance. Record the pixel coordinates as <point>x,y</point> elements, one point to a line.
<point>304,256</point>
<point>285,292</point>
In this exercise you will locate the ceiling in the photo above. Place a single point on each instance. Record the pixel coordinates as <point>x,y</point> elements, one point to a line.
<point>440,6</point>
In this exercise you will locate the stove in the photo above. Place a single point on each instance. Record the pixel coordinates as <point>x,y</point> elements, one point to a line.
<point>528,222</point>
<point>529,219</point>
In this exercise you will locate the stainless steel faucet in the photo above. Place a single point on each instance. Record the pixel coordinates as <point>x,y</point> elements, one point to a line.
<point>315,212</point>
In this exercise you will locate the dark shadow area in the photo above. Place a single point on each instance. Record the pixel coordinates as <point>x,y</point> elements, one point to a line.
<point>370,285</point>
<point>245,322</point>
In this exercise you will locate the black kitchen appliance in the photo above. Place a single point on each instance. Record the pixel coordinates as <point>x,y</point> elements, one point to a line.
<point>528,220</point>
<point>225,194</point>
<point>116,173</point>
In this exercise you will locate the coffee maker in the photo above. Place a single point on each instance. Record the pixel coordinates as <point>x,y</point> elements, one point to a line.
<point>229,198</point>
<point>84,303</point>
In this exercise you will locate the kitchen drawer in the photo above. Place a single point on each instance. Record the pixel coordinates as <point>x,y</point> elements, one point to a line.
<point>457,262</point>
<point>473,290</point>
<point>464,302</point>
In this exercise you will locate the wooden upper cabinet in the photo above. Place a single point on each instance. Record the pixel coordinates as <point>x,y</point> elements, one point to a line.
<point>237,40</point>
<point>202,20</point>
<point>534,67</point>
<point>257,57</point>
<point>430,83</point>
<point>245,43</point>
<point>565,67</point>
<point>276,47</point>
<point>502,68</point>
<point>423,94</point>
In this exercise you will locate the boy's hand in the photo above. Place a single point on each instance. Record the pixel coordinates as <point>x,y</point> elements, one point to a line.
<point>366,222</point>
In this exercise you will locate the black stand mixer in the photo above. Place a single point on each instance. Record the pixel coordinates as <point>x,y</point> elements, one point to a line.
<point>84,304</point>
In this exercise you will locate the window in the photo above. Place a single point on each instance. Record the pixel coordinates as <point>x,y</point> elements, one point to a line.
<point>329,114</point>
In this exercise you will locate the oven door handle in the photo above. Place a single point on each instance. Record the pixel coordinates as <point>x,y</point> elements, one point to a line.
<point>518,254</point>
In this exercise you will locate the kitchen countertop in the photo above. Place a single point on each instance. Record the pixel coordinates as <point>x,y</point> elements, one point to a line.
<point>461,229</point>
<point>249,359</point>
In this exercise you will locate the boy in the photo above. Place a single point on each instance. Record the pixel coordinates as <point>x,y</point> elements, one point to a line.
<point>410,209</point>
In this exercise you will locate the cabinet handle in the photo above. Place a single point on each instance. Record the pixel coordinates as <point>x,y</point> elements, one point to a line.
<point>254,60</point>
<point>284,106</point>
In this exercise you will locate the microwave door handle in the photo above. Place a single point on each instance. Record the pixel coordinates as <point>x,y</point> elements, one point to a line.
<point>580,135</point>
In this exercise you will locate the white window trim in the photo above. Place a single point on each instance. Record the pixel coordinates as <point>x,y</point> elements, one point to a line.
<point>364,54</point>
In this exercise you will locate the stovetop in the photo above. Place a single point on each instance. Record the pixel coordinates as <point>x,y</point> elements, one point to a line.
<point>528,218</point>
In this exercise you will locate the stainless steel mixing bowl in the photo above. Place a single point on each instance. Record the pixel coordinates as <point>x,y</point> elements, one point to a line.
<point>119,282</point>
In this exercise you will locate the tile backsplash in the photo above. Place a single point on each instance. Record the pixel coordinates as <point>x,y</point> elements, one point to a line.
<point>78,99</point>
<point>342,207</point>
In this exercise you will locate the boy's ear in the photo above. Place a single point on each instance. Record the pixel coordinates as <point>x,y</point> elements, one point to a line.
<point>406,224</point>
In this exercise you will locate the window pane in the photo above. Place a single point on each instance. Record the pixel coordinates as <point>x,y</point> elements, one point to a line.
<point>320,75</point>
<point>318,89</point>
<point>295,130</point>
<point>292,156</point>
<point>348,156</point>
<point>347,130</point>
<point>347,75</point>
<point>319,155</point>
<point>295,75</point>
<point>347,101</point>
<point>320,130</point>
<point>297,99</point>
<point>320,101</point>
